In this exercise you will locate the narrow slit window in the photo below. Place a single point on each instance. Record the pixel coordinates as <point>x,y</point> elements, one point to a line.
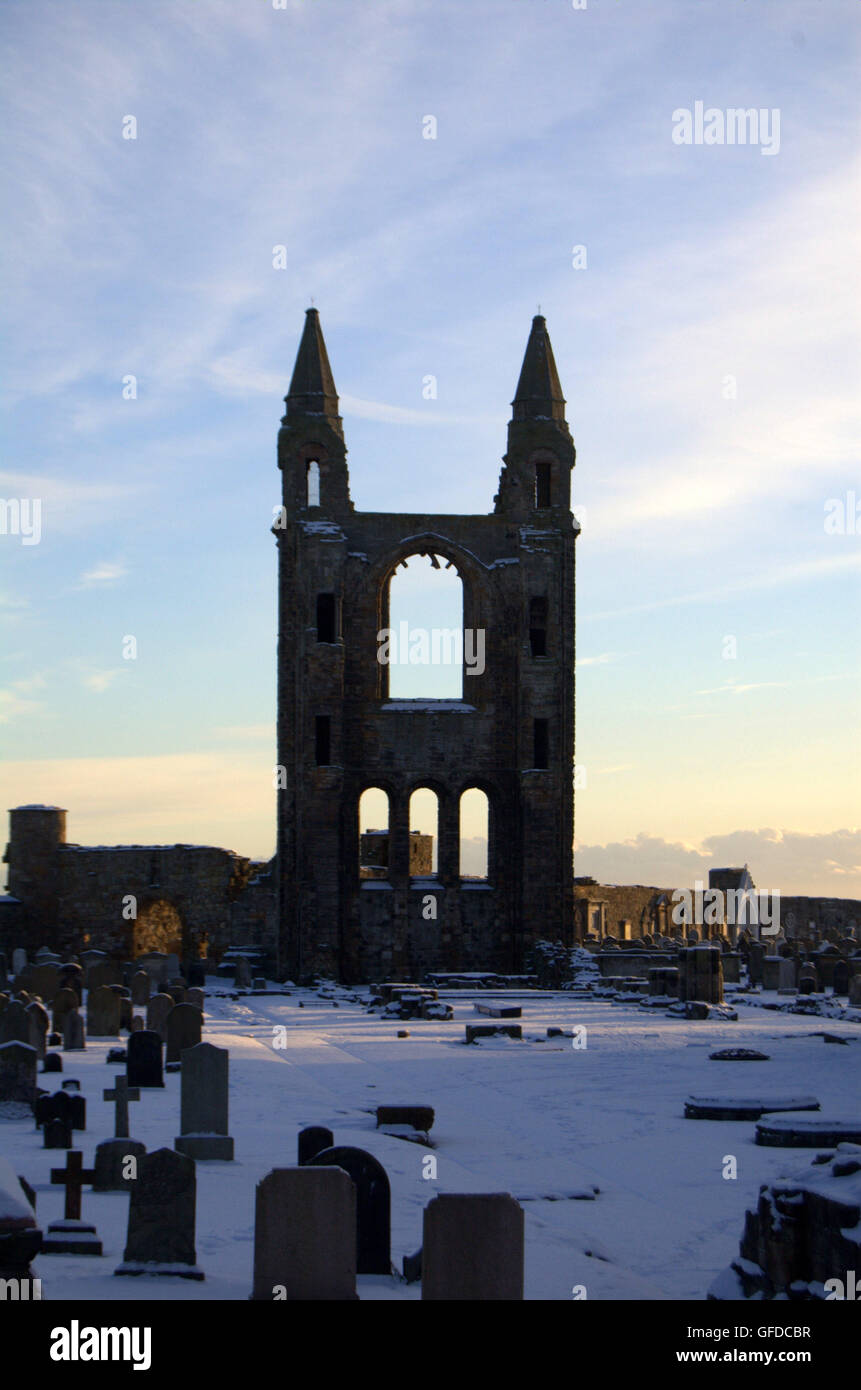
<point>312,483</point>
<point>322,740</point>
<point>541,740</point>
<point>538,626</point>
<point>542,484</point>
<point>327,624</point>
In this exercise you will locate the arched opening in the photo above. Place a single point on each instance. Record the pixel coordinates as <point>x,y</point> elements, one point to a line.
<point>424,833</point>
<point>158,927</point>
<point>374,834</point>
<point>420,645</point>
<point>312,483</point>
<point>474,835</point>
<point>543,475</point>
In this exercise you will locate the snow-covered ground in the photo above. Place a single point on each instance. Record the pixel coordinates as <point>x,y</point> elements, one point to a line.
<point>542,1120</point>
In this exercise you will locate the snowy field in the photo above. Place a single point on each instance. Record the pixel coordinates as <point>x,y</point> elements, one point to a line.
<point>539,1119</point>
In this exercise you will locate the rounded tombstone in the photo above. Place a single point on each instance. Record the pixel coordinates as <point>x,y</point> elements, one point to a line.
<point>373,1204</point>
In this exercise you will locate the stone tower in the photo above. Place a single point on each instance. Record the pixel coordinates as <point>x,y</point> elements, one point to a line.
<point>510,736</point>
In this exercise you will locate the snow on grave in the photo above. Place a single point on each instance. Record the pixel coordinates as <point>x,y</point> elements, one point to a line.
<point>747,1108</point>
<point>20,1237</point>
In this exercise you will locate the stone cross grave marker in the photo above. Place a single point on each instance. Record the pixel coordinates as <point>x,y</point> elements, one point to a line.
<point>121,1094</point>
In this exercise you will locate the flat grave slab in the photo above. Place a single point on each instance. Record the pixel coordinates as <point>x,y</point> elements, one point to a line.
<point>743,1108</point>
<point>825,1131</point>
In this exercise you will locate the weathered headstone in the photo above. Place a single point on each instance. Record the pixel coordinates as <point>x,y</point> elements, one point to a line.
<point>313,1141</point>
<point>840,979</point>
<point>18,1074</point>
<point>61,1105</point>
<point>195,996</point>
<point>204,1121</point>
<point>808,980</point>
<point>65,999</point>
<point>74,1037</point>
<point>242,973</point>
<point>113,1168</point>
<point>140,987</point>
<point>184,1025</point>
<point>177,993</point>
<point>473,1248</point>
<point>57,1134</point>
<point>373,1205</point>
<point>19,960</point>
<point>53,1062</point>
<point>161,1225</point>
<point>855,992</point>
<point>157,1011</point>
<point>39,1025</point>
<point>14,1023</point>
<point>143,1067</point>
<point>786,974</point>
<point>45,981</point>
<point>103,1013</point>
<point>104,973</point>
<point>756,956</point>
<point>305,1235</point>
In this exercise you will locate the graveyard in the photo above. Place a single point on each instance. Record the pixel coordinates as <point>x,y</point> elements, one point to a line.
<point>332,1143</point>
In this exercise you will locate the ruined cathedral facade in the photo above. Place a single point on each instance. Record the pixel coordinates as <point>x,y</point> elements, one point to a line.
<point>334,902</point>
<point>510,735</point>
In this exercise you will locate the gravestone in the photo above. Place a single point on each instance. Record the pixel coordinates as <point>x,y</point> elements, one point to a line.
<point>121,1094</point>
<point>196,997</point>
<point>242,973</point>
<point>74,1037</point>
<point>184,1025</point>
<point>204,1103</point>
<point>155,965</point>
<point>143,1066</point>
<point>57,1134</point>
<point>473,1248</point>
<point>14,1023</point>
<point>157,1011</point>
<point>771,972</point>
<point>45,981</point>
<point>72,1236</point>
<point>136,1025</point>
<point>855,992</point>
<point>177,993</point>
<point>808,980</point>
<point>53,1062</point>
<point>18,1074</point>
<point>65,999</point>
<point>140,987</point>
<point>786,974</point>
<point>313,1141</point>
<point>196,974</point>
<point>105,973</point>
<point>305,1236</point>
<point>840,980</point>
<point>373,1203</point>
<point>756,956</point>
<point>19,960</point>
<point>39,1025</point>
<point>103,1013</point>
<point>160,1237</point>
<point>62,1106</point>
<point>113,1171</point>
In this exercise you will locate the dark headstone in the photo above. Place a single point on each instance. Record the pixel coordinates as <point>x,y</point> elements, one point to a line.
<point>313,1141</point>
<point>57,1134</point>
<point>305,1235</point>
<point>111,1164</point>
<point>18,1073</point>
<point>205,1073</point>
<point>419,1117</point>
<point>74,1037</point>
<point>161,1225</point>
<point>144,1059</point>
<point>473,1248</point>
<point>184,1026</point>
<point>53,1062</point>
<point>373,1201</point>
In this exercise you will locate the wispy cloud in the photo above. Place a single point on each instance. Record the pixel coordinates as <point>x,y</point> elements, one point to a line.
<point>104,573</point>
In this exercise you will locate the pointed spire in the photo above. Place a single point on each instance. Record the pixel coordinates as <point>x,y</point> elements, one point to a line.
<point>312,386</point>
<point>539,394</point>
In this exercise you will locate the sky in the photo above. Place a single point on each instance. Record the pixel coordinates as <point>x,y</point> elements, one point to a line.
<point>182,177</point>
